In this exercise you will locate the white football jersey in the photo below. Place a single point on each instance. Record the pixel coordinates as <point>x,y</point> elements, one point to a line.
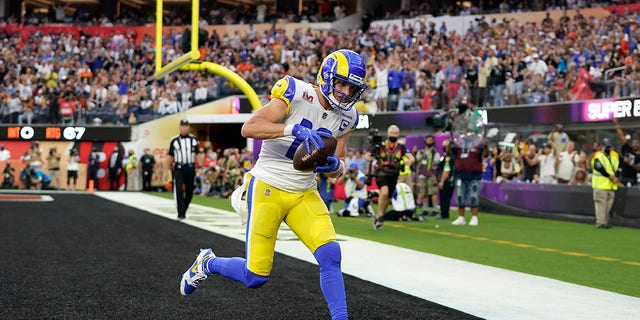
<point>275,161</point>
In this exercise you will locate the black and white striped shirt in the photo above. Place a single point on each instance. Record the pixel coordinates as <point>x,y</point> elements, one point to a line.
<point>183,149</point>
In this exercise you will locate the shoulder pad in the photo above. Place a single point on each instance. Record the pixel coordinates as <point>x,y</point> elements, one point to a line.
<point>284,89</point>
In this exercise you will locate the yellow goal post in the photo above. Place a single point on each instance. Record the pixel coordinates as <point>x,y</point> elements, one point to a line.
<point>189,61</point>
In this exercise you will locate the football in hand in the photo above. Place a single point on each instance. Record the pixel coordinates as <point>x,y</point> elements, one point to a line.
<point>305,161</point>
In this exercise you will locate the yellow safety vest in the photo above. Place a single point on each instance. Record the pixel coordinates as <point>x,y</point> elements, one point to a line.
<point>132,162</point>
<point>610,164</point>
<point>406,169</point>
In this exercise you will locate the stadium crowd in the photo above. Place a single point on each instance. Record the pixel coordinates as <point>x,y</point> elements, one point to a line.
<point>105,79</point>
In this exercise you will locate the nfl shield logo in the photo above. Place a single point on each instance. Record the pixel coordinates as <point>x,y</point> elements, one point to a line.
<point>267,192</point>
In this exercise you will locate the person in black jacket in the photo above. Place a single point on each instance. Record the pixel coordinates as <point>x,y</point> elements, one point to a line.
<point>94,166</point>
<point>498,79</point>
<point>115,168</point>
<point>446,179</point>
<point>148,161</point>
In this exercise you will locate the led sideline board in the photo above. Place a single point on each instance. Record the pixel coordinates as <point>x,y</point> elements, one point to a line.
<point>64,133</point>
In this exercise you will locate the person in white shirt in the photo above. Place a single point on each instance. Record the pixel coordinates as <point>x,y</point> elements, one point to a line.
<point>547,160</point>
<point>538,66</point>
<point>4,153</point>
<point>566,163</point>
<point>72,169</point>
<point>201,93</point>
<point>261,12</point>
<point>382,88</point>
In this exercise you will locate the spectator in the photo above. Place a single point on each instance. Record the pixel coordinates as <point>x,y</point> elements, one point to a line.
<point>630,151</point>
<point>509,167</point>
<point>72,169</point>
<point>489,166</point>
<point>558,138</point>
<point>407,98</point>
<point>530,164</point>
<point>26,114</point>
<point>498,79</point>
<point>582,89</point>
<point>395,81</point>
<point>59,11</point>
<point>547,160</point>
<point>14,107</point>
<point>580,178</point>
<point>566,163</point>
<point>538,66</point>
<point>381,67</point>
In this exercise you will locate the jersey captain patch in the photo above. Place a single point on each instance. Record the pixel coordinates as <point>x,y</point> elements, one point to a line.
<point>307,96</point>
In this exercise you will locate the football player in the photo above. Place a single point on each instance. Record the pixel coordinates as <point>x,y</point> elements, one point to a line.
<point>298,112</point>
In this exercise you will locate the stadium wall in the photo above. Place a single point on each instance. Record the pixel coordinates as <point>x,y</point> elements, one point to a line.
<point>156,134</point>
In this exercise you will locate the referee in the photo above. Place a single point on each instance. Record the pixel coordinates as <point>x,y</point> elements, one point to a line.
<point>182,151</point>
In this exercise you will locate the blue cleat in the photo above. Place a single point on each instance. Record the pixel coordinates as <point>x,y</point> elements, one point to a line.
<point>196,273</point>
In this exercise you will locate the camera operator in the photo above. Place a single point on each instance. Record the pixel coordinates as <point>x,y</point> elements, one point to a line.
<point>355,189</point>
<point>389,160</point>
<point>8,177</point>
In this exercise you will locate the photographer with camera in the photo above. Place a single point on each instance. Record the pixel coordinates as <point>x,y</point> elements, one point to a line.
<point>355,189</point>
<point>388,157</point>
<point>8,175</point>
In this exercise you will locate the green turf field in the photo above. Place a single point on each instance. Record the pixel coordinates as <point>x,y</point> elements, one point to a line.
<point>572,252</point>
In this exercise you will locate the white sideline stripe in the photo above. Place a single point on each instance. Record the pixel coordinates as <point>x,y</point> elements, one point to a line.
<point>480,290</point>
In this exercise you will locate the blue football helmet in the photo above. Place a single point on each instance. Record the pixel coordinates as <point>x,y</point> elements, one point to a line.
<point>347,66</point>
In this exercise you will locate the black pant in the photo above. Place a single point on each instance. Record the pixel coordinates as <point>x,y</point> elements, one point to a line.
<point>183,185</point>
<point>93,175</point>
<point>114,178</point>
<point>146,179</point>
<point>445,200</point>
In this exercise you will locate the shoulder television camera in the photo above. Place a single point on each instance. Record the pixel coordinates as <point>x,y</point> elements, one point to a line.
<point>375,140</point>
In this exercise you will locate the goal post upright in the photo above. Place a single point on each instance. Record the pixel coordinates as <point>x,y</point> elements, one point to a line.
<point>192,55</point>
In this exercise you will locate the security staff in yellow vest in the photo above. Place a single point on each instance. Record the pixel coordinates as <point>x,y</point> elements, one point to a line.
<point>405,172</point>
<point>132,172</point>
<point>604,182</point>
